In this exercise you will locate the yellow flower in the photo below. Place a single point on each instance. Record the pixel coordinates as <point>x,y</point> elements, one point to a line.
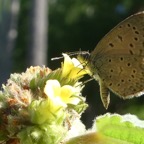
<point>60,96</point>
<point>72,68</point>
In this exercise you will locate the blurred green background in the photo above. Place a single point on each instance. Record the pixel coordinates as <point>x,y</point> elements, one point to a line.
<point>34,31</point>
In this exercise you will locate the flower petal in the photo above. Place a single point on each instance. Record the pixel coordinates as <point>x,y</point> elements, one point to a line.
<point>72,68</point>
<point>52,88</point>
<point>67,95</point>
<point>67,66</point>
<point>77,63</point>
<point>66,92</point>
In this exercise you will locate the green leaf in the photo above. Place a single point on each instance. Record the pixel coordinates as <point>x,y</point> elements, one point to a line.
<point>127,128</point>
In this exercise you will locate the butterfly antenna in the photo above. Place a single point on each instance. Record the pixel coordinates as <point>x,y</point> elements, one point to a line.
<point>72,54</point>
<point>78,53</point>
<point>56,58</point>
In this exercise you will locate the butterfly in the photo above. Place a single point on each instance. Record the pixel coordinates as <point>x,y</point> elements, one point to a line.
<point>117,62</point>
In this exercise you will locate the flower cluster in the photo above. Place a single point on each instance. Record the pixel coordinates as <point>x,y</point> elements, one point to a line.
<point>40,105</point>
